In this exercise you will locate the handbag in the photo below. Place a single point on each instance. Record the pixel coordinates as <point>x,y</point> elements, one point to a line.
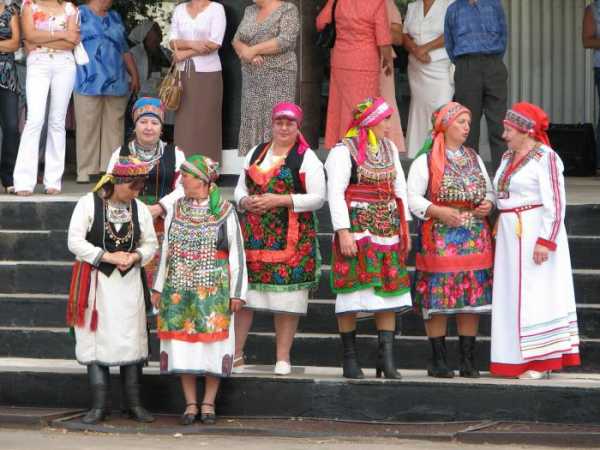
<point>81,55</point>
<point>78,293</point>
<point>326,37</point>
<point>171,90</point>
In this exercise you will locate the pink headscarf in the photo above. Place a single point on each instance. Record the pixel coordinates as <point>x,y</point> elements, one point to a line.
<point>293,112</point>
<point>367,114</point>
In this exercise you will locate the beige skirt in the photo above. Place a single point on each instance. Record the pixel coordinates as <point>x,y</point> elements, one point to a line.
<point>198,119</point>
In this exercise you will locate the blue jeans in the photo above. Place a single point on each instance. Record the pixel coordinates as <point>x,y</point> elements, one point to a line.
<point>597,79</point>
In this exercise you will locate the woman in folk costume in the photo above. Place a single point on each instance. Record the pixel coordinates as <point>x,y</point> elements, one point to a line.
<point>282,186</point>
<point>369,209</point>
<point>200,282</point>
<point>148,116</point>
<point>450,192</point>
<point>112,236</point>
<point>534,320</point>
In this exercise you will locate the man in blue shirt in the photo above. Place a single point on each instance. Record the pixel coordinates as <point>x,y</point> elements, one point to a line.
<point>475,38</point>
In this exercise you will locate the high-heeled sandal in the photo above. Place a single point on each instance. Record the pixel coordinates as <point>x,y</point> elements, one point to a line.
<point>187,418</point>
<point>208,418</point>
<point>52,191</point>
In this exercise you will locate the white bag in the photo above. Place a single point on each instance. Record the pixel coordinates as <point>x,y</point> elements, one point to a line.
<point>81,56</point>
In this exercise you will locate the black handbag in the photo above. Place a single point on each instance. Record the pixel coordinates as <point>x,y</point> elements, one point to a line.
<point>326,38</point>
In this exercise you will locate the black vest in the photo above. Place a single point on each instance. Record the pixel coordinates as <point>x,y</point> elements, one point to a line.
<point>98,237</point>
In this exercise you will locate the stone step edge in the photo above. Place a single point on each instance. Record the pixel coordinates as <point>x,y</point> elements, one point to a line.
<point>317,374</point>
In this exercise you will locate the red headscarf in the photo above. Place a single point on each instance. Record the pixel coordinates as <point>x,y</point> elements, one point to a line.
<point>529,118</point>
<point>442,119</point>
<point>293,112</point>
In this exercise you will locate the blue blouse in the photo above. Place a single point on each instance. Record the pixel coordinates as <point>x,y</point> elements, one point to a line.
<point>104,39</point>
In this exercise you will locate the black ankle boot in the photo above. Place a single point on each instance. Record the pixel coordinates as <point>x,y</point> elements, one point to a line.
<point>131,382</point>
<point>467,357</point>
<point>439,366</point>
<point>351,367</point>
<point>385,356</point>
<point>98,380</point>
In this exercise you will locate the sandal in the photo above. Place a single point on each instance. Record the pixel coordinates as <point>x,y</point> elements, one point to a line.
<point>52,191</point>
<point>187,418</point>
<point>208,418</point>
<point>24,193</point>
<point>238,364</point>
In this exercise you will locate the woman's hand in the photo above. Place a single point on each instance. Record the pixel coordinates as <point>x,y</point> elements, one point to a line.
<point>483,209</point>
<point>73,36</point>
<point>200,47</point>
<point>248,53</point>
<point>156,210</point>
<point>131,259</point>
<point>235,305</point>
<point>258,60</point>
<point>115,258</point>
<point>179,56</point>
<point>450,216</point>
<point>263,203</point>
<point>348,246</point>
<point>540,254</point>
<point>155,299</point>
<point>422,54</point>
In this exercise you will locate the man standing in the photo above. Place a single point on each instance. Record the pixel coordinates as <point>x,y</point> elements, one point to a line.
<point>475,34</point>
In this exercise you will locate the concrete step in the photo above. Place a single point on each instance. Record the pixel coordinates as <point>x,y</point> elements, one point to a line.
<point>35,214</point>
<point>48,311</point>
<point>411,352</point>
<point>319,392</point>
<point>53,277</point>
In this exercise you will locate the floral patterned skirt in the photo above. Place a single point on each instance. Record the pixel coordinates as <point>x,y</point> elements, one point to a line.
<point>452,293</point>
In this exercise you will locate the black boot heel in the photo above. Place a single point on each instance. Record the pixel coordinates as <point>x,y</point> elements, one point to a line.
<point>467,357</point>
<point>385,356</point>
<point>351,368</point>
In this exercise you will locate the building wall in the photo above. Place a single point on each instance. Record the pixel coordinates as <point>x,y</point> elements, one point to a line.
<point>546,60</point>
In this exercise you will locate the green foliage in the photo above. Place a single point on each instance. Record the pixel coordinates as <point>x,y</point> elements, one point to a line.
<point>132,11</point>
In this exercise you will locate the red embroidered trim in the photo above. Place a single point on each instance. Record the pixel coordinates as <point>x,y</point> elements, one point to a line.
<point>514,370</point>
<point>198,337</point>
<point>440,264</point>
<point>278,256</point>
<point>556,196</point>
<point>546,243</point>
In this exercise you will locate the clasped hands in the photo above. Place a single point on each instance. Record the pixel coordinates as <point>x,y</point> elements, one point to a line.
<point>348,247</point>
<point>456,218</point>
<point>123,260</point>
<point>259,204</point>
<point>249,55</point>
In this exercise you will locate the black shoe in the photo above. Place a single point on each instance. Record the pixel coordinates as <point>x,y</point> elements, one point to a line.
<point>186,418</point>
<point>385,356</point>
<point>208,418</point>
<point>351,367</point>
<point>131,386</point>
<point>98,380</point>
<point>439,366</point>
<point>467,357</point>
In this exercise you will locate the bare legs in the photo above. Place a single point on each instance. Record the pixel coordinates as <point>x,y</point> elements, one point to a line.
<point>190,391</point>
<point>468,325</point>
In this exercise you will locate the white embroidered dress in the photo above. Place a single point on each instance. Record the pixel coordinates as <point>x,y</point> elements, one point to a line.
<point>121,337</point>
<point>534,320</point>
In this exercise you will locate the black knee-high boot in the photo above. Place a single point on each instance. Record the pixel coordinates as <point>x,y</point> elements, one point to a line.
<point>439,366</point>
<point>467,357</point>
<point>385,356</point>
<point>351,367</point>
<point>98,380</point>
<point>131,380</point>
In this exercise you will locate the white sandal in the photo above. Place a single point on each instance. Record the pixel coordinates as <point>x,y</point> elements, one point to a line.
<point>535,375</point>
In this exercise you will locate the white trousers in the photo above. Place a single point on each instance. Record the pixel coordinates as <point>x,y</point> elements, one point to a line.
<point>54,72</point>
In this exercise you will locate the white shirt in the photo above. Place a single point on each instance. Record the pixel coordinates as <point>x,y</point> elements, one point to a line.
<point>423,29</point>
<point>209,25</point>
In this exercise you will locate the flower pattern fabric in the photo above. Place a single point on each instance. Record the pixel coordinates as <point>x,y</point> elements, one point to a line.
<point>269,231</point>
<point>8,70</point>
<point>104,39</point>
<point>455,289</point>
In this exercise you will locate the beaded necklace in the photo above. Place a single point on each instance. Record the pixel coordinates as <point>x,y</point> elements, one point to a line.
<point>115,213</point>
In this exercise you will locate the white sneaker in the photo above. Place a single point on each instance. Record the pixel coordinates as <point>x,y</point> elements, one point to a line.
<point>534,375</point>
<point>283,368</point>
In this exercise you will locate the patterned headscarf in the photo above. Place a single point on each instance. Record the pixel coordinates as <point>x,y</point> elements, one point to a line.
<point>441,120</point>
<point>293,112</point>
<point>125,170</point>
<point>205,169</point>
<point>148,106</point>
<point>529,118</point>
<point>366,115</point>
